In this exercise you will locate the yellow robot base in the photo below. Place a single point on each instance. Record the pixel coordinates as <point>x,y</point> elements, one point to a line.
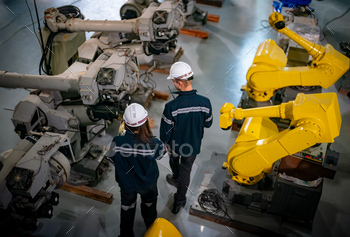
<point>249,216</point>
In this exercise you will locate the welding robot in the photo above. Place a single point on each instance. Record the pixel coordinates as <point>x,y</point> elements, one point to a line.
<point>255,165</point>
<point>254,159</point>
<point>64,114</point>
<point>195,17</point>
<point>269,81</point>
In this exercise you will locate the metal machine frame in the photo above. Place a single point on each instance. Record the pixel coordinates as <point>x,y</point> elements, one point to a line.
<point>62,117</point>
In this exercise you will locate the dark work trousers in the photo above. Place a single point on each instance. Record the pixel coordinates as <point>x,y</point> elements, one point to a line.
<point>181,167</point>
<point>128,209</point>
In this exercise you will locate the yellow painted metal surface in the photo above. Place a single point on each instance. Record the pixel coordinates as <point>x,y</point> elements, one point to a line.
<point>225,119</point>
<point>269,58</point>
<point>315,118</point>
<point>162,228</point>
<point>269,73</point>
<point>252,132</point>
<point>121,130</point>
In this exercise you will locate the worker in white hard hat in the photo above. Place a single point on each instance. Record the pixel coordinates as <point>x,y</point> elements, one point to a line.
<point>134,155</point>
<point>182,129</point>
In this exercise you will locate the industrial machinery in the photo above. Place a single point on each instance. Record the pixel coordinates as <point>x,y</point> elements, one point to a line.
<point>345,83</point>
<point>345,47</point>
<point>195,17</point>
<point>299,7</point>
<point>254,158</point>
<point>29,174</point>
<point>162,228</point>
<point>268,78</point>
<point>153,33</point>
<point>64,114</point>
<point>304,26</point>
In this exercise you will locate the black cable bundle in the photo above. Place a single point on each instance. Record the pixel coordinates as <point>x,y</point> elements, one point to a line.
<point>46,68</point>
<point>147,80</point>
<point>211,201</point>
<point>71,11</point>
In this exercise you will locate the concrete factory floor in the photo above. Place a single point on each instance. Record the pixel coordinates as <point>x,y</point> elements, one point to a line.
<point>232,43</point>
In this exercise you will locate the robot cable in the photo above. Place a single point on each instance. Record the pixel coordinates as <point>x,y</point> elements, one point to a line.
<point>211,201</point>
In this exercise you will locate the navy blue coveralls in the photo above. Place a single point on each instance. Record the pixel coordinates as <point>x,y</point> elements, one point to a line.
<point>136,171</point>
<point>181,130</point>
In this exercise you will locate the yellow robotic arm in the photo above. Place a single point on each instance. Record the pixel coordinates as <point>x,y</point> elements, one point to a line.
<point>269,73</point>
<point>315,118</point>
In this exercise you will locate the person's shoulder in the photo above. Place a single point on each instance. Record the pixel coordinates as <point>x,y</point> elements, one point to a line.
<point>119,138</point>
<point>203,98</point>
<point>172,104</point>
<point>155,140</point>
<point>115,138</point>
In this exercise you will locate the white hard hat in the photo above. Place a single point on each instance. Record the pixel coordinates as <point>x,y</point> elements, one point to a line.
<point>180,70</point>
<point>135,115</point>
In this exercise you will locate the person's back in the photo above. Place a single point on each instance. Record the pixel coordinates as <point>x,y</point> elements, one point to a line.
<point>135,163</point>
<point>182,129</point>
<point>189,114</point>
<point>134,156</point>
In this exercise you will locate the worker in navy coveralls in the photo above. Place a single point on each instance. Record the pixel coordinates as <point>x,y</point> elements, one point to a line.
<point>182,128</point>
<point>134,156</point>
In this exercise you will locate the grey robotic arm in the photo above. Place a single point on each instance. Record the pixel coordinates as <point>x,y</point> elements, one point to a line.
<point>195,17</point>
<point>157,28</point>
<point>104,85</point>
<point>62,110</point>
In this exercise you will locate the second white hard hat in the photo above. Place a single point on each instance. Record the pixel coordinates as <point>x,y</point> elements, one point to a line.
<point>180,70</point>
<point>135,115</point>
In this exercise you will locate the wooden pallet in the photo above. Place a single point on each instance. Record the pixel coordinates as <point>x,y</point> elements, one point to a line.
<point>213,18</point>
<point>161,95</point>
<point>196,33</point>
<point>344,91</point>
<point>89,192</point>
<point>159,70</point>
<point>216,3</point>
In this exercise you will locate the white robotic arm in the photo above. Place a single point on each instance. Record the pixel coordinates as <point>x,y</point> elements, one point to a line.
<point>57,21</point>
<point>158,25</point>
<point>76,105</point>
<point>195,17</point>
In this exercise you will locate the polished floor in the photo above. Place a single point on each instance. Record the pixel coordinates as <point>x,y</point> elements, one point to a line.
<point>220,64</point>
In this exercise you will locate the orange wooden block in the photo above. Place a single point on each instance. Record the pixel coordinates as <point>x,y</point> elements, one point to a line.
<point>213,18</point>
<point>197,33</point>
<point>344,91</point>
<point>161,95</point>
<point>89,192</point>
<point>159,70</point>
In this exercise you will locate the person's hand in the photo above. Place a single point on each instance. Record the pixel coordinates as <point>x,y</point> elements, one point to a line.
<point>167,150</point>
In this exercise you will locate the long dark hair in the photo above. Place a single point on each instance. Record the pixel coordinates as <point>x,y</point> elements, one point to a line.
<point>143,134</point>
